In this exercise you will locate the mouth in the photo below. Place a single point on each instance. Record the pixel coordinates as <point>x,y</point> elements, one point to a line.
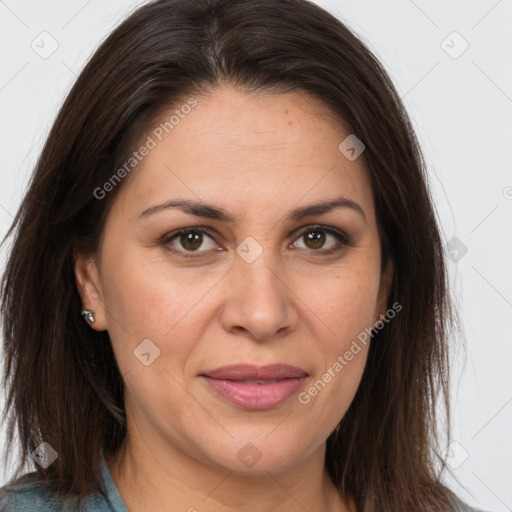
<point>255,388</point>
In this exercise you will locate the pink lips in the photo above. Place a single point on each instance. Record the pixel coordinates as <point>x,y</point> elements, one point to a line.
<point>256,388</point>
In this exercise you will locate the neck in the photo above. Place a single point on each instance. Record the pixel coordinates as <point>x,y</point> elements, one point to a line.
<point>150,477</point>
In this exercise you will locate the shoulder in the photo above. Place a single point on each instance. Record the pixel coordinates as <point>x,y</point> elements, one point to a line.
<point>26,495</point>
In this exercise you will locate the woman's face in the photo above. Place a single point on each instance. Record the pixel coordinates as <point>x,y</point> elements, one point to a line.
<point>268,286</point>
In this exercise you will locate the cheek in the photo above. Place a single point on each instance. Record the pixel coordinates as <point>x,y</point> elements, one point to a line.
<point>144,291</point>
<point>343,315</point>
<point>343,300</point>
<point>148,298</point>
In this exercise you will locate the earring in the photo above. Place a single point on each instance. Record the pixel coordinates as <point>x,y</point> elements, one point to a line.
<point>88,314</point>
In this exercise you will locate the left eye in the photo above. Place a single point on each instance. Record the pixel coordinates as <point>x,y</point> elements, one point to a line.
<point>191,239</point>
<point>316,236</point>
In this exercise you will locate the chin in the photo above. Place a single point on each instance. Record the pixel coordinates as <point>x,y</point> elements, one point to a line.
<point>255,455</point>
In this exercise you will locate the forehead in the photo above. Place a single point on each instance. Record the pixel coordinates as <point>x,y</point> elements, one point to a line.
<point>249,152</point>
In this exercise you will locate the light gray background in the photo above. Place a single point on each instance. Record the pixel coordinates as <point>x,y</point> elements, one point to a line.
<point>461,106</point>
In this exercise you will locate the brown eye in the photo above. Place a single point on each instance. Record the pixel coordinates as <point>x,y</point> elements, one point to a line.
<point>191,241</point>
<point>315,237</point>
<point>187,241</point>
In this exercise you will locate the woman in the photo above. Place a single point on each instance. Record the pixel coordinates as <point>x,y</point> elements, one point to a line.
<point>215,297</point>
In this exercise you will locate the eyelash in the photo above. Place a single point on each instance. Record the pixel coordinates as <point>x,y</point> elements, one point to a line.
<point>342,238</point>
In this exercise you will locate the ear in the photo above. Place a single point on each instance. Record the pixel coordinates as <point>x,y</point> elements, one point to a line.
<point>386,281</point>
<point>89,287</point>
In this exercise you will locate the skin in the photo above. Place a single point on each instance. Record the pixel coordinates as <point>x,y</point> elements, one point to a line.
<point>258,156</point>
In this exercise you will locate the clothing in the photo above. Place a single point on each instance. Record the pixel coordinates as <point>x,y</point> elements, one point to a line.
<point>28,497</point>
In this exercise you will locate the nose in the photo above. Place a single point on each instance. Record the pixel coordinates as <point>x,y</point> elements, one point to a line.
<point>258,302</point>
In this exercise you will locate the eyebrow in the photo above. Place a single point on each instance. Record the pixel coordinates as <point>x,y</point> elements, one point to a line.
<point>208,211</point>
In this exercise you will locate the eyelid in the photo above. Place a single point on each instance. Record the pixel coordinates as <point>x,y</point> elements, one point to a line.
<point>340,235</point>
<point>168,237</point>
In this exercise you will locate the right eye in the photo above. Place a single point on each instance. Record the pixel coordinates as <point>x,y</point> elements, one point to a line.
<point>190,239</point>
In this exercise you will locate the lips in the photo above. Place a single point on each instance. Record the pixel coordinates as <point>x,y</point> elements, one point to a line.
<point>251,372</point>
<point>255,387</point>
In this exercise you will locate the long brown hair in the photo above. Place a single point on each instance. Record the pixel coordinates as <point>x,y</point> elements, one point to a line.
<point>64,386</point>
